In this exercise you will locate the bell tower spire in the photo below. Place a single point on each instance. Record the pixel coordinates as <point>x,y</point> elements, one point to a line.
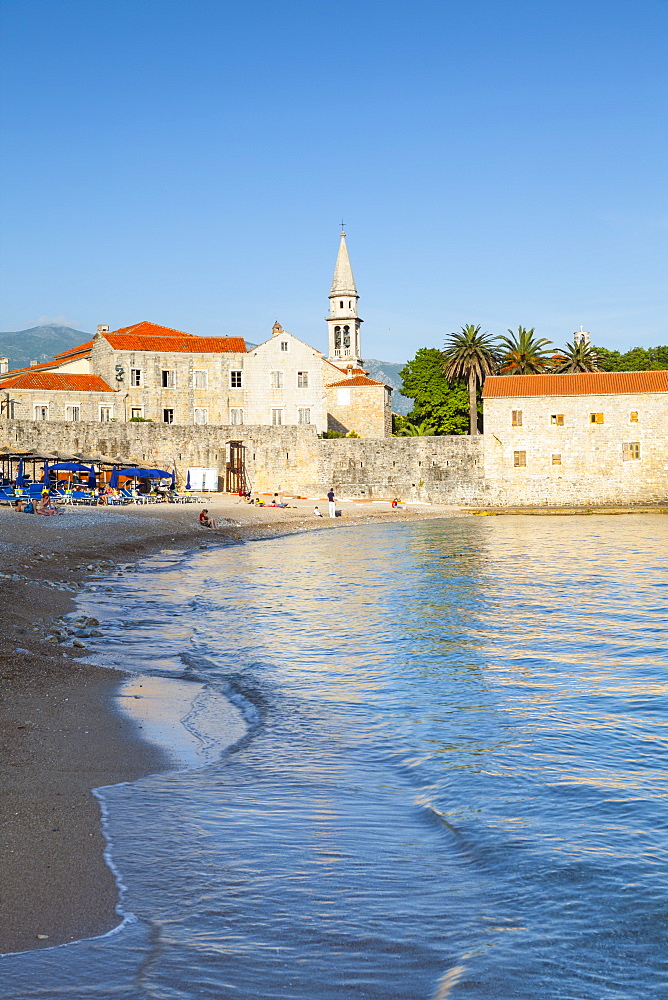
<point>343,322</point>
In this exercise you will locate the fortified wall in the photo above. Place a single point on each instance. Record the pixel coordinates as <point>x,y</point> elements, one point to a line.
<point>290,458</point>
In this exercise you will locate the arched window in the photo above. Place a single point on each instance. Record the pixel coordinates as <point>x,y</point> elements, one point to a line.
<point>337,338</point>
<point>346,336</point>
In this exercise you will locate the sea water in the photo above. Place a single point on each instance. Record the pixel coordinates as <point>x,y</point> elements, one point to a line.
<point>450,780</point>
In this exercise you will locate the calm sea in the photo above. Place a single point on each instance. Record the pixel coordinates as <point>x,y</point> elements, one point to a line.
<point>452,784</point>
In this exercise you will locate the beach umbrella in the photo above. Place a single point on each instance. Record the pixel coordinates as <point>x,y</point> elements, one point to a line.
<point>172,485</point>
<point>19,474</point>
<point>188,480</point>
<point>92,481</point>
<point>113,481</point>
<point>46,472</point>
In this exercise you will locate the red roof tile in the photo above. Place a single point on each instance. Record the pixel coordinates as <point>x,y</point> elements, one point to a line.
<point>81,349</point>
<point>184,344</point>
<point>356,380</point>
<point>58,380</point>
<point>33,368</point>
<point>146,329</point>
<point>580,384</point>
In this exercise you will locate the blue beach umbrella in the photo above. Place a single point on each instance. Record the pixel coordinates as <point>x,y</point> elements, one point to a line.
<point>92,481</point>
<point>45,480</point>
<point>188,480</point>
<point>113,481</point>
<point>172,485</point>
<point>19,474</point>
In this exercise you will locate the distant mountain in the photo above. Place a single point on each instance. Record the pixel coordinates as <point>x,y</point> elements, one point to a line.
<point>388,371</point>
<point>40,343</point>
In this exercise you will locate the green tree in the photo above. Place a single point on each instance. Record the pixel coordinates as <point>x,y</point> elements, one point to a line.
<point>578,357</point>
<point>524,354</point>
<point>609,361</point>
<point>406,428</point>
<point>471,355</point>
<point>436,402</point>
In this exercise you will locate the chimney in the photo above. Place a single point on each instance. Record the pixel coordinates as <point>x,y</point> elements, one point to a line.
<point>349,371</point>
<point>103,328</point>
<point>33,364</point>
<point>4,365</point>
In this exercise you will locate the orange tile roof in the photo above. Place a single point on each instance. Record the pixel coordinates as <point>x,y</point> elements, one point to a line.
<point>572,384</point>
<point>81,349</point>
<point>151,337</point>
<point>356,380</point>
<point>184,344</point>
<point>58,380</point>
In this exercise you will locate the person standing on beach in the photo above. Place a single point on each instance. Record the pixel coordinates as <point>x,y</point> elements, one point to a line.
<point>332,505</point>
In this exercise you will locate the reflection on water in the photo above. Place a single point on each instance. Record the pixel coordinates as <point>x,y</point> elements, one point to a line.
<point>452,782</point>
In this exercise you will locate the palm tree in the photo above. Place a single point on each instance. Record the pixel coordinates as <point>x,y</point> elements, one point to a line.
<point>471,355</point>
<point>421,429</point>
<point>577,357</point>
<point>523,354</point>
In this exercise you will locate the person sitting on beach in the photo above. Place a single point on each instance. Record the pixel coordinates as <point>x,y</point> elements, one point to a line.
<point>395,504</point>
<point>317,512</point>
<point>45,506</point>
<point>20,506</point>
<point>206,521</point>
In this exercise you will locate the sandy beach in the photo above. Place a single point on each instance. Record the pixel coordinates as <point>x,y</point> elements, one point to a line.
<point>61,733</point>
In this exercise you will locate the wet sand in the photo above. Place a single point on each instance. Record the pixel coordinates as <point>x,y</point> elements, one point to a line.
<point>60,732</point>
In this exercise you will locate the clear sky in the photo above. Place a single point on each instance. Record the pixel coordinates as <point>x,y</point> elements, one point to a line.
<point>189,162</point>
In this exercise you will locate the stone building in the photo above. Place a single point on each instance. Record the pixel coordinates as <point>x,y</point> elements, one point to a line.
<point>36,395</point>
<point>592,438</point>
<point>164,375</point>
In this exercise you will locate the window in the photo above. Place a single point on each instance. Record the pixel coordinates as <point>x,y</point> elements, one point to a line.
<point>41,411</point>
<point>201,416</point>
<point>631,451</point>
<point>633,417</point>
<point>235,380</point>
<point>73,412</point>
<point>517,418</point>
<point>556,460</point>
<point>135,376</point>
<point>236,416</point>
<point>302,380</point>
<point>304,415</point>
<point>284,345</point>
<point>341,305</point>
<point>169,379</point>
<point>168,416</point>
<point>277,380</point>
<point>277,417</point>
<point>106,414</point>
<point>200,379</point>
<point>595,418</point>
<point>558,419</point>
<point>519,459</point>
<point>136,412</point>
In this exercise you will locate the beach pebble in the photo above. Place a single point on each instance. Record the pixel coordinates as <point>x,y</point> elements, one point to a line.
<point>91,621</point>
<point>19,649</point>
<point>42,937</point>
<point>79,644</point>
<point>95,633</point>
<point>89,567</point>
<point>53,638</point>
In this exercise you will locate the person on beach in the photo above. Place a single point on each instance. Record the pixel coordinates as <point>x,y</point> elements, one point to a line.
<point>332,505</point>
<point>45,506</point>
<point>21,505</point>
<point>317,513</point>
<point>206,521</point>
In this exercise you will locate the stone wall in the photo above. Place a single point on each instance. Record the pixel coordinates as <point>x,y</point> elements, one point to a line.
<point>288,459</point>
<point>572,460</point>
<point>440,469</point>
<point>367,410</point>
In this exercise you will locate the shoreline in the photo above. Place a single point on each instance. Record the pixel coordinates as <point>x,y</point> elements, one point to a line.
<point>56,704</point>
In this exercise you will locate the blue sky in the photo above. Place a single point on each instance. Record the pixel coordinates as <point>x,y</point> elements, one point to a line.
<point>189,162</point>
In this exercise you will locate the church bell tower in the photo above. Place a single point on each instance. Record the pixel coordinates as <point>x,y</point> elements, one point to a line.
<point>343,322</point>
